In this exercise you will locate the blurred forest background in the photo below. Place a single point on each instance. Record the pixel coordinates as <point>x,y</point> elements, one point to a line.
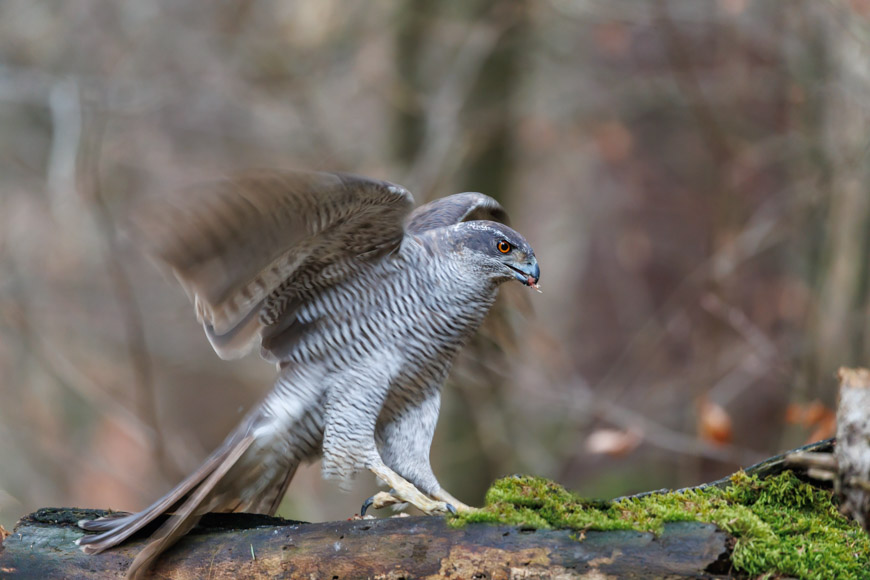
<point>692,175</point>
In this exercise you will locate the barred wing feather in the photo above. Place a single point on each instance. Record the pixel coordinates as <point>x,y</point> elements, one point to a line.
<point>303,222</point>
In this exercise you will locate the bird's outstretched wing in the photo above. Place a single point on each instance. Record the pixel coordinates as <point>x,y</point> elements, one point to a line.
<point>241,246</point>
<point>461,207</point>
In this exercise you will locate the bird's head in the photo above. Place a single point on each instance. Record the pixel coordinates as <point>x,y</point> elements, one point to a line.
<point>498,252</point>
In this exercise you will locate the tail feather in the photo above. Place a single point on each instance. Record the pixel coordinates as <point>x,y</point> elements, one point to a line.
<point>250,472</point>
<point>270,501</point>
<point>114,531</point>
<point>117,528</point>
<point>105,523</point>
<point>189,514</point>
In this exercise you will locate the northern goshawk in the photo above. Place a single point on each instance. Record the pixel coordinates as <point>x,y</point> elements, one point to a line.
<point>362,303</point>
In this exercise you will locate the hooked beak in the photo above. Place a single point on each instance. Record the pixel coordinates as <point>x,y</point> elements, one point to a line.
<point>528,273</point>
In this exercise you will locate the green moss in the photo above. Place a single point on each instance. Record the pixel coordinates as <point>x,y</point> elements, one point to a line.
<point>781,524</point>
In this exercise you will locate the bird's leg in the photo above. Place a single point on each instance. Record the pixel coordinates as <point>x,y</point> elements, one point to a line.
<point>405,431</point>
<point>349,434</point>
<point>384,499</point>
<point>403,492</point>
<point>442,495</point>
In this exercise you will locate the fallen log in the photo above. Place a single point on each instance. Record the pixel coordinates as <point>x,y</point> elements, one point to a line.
<point>248,546</point>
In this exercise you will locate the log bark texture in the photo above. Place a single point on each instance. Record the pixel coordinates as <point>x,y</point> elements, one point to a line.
<point>248,546</point>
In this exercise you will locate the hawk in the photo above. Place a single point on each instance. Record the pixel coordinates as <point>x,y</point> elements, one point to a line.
<point>361,303</point>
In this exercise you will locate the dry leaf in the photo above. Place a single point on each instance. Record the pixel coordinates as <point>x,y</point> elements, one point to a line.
<point>714,423</point>
<point>816,412</point>
<point>4,533</point>
<point>813,415</point>
<point>825,428</point>
<point>612,442</point>
<point>794,413</point>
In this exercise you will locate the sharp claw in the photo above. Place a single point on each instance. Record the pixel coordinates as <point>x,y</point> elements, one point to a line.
<point>366,505</point>
<point>450,508</point>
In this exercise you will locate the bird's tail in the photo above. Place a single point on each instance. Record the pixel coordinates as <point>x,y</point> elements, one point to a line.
<point>236,466</point>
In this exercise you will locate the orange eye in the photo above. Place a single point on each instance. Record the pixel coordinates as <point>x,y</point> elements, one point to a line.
<point>504,247</point>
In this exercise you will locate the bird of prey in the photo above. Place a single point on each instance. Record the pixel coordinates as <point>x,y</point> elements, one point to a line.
<point>362,304</point>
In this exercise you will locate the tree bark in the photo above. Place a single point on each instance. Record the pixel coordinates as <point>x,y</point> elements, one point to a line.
<point>853,451</point>
<point>249,546</point>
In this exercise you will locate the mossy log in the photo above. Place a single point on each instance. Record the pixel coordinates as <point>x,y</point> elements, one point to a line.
<point>248,546</point>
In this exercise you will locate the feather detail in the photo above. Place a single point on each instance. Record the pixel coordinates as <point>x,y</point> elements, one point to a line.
<point>115,529</point>
<point>233,243</point>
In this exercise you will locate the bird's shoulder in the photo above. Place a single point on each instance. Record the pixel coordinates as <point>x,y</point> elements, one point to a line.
<point>453,209</point>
